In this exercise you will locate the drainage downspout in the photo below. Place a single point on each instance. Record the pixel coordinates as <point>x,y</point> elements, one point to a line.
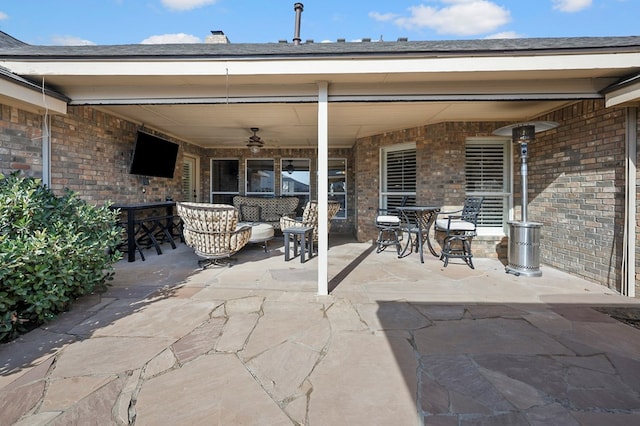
<point>46,151</point>
<point>629,243</point>
<point>46,141</point>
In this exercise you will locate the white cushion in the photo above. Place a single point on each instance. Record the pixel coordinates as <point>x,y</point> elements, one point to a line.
<point>456,225</point>
<point>259,231</point>
<point>388,219</point>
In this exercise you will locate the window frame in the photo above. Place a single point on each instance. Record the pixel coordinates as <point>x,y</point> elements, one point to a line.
<point>505,194</point>
<point>228,195</point>
<point>304,197</point>
<point>389,199</point>
<point>336,194</point>
<point>267,194</point>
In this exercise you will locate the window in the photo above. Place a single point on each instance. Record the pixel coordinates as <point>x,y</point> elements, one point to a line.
<point>260,177</point>
<point>338,185</point>
<point>487,175</point>
<point>224,180</point>
<point>398,175</point>
<point>189,191</point>
<point>295,180</point>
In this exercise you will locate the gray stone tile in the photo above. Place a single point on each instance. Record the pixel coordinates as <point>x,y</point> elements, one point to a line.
<point>499,419</point>
<point>65,392</point>
<point>107,355</point>
<point>591,338</point>
<point>541,372</point>
<point>441,312</point>
<point>162,362</point>
<point>40,419</point>
<point>97,406</point>
<point>200,341</point>
<point>17,401</point>
<point>165,318</point>
<point>343,316</point>
<point>236,332</point>
<point>551,415</point>
<point>283,322</point>
<point>392,316</point>
<point>250,304</point>
<point>520,394</point>
<point>383,366</point>
<point>485,336</point>
<point>628,369</point>
<point>283,369</point>
<point>460,375</point>
<point>608,419</point>
<point>226,394</point>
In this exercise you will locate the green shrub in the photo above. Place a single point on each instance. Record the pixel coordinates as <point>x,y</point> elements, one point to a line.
<point>53,249</point>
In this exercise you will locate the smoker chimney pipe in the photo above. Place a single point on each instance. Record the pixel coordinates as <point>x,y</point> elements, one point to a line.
<point>296,35</point>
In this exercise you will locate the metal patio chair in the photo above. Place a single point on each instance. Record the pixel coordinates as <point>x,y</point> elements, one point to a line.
<point>459,228</point>
<point>389,230</point>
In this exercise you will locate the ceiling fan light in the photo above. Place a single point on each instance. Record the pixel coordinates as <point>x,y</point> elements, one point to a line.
<point>255,143</point>
<point>290,169</point>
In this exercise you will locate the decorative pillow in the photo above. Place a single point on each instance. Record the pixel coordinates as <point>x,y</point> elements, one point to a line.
<point>250,213</point>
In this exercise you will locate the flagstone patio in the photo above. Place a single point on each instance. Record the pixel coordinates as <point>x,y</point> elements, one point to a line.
<point>396,342</point>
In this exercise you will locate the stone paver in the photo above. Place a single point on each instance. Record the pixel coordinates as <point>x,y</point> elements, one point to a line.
<point>396,342</point>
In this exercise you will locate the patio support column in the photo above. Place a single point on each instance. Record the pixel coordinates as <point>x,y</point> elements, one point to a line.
<point>629,249</point>
<point>323,187</point>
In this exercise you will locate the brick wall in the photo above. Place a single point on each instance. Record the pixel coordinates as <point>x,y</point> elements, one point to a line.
<point>440,155</point>
<point>91,152</point>
<point>576,185</point>
<point>20,141</point>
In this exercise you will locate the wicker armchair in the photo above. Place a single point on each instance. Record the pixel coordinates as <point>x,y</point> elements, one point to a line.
<point>310,217</point>
<point>212,230</point>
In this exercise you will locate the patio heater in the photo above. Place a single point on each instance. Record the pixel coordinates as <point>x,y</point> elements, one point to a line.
<point>524,236</point>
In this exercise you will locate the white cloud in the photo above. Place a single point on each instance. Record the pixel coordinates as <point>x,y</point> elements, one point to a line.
<point>186,4</point>
<point>71,41</point>
<point>504,34</point>
<point>571,5</point>
<point>3,16</point>
<point>458,17</point>
<point>171,39</point>
<point>382,17</point>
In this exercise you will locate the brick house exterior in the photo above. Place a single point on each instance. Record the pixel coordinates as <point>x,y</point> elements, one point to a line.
<point>576,174</point>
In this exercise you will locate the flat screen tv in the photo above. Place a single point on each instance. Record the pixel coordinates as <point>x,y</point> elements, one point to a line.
<point>153,156</point>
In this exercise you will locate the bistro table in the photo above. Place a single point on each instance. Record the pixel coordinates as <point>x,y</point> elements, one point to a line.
<point>163,222</point>
<point>418,220</point>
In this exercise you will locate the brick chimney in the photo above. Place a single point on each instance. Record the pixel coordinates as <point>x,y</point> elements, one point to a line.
<point>217,37</point>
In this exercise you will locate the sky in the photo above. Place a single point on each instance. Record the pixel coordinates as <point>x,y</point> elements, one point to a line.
<point>112,22</point>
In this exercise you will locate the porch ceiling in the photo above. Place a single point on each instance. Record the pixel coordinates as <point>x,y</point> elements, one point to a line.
<point>294,125</point>
<point>218,110</point>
